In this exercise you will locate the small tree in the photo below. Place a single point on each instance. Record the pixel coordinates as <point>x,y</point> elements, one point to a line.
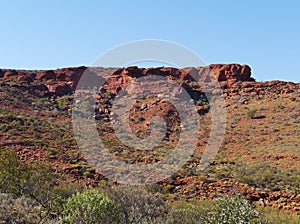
<point>31,180</point>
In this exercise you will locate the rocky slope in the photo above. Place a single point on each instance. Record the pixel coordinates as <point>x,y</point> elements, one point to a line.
<point>262,128</point>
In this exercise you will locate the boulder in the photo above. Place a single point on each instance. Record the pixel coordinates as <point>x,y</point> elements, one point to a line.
<point>8,75</point>
<point>133,71</point>
<point>46,75</point>
<point>60,89</point>
<point>223,72</point>
<point>62,76</point>
<point>26,77</point>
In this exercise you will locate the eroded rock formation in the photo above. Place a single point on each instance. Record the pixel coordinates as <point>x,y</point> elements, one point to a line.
<point>64,81</point>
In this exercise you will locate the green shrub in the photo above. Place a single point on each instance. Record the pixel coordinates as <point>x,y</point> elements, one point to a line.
<point>89,206</point>
<point>232,210</point>
<point>251,113</point>
<point>183,213</point>
<point>275,216</point>
<point>141,118</point>
<point>265,176</point>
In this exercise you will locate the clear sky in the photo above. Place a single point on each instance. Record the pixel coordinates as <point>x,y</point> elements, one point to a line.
<point>42,34</point>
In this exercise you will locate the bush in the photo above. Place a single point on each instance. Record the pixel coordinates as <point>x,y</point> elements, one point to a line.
<point>275,216</point>
<point>251,113</point>
<point>18,210</point>
<point>137,205</point>
<point>232,210</point>
<point>265,176</point>
<point>184,213</point>
<point>89,206</point>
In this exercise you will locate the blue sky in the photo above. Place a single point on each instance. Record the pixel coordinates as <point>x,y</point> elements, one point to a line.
<point>38,34</point>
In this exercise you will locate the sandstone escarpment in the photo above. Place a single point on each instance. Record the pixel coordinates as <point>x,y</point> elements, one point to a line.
<point>232,78</point>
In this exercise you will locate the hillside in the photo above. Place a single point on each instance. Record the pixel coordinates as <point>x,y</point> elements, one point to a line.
<point>259,156</point>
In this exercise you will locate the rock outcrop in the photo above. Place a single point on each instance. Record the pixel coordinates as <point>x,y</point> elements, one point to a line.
<point>64,81</point>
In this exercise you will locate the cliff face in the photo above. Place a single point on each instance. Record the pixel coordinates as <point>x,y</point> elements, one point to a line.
<point>64,81</point>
